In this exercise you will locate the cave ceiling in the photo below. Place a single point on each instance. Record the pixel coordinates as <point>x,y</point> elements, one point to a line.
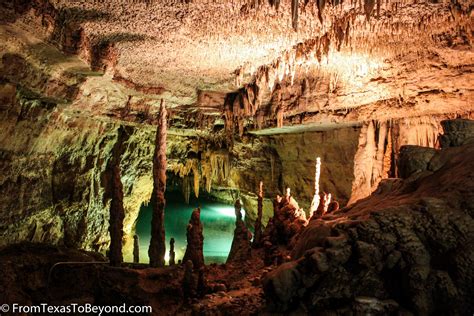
<point>285,62</point>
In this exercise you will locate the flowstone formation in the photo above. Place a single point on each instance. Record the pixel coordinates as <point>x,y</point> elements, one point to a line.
<point>406,248</point>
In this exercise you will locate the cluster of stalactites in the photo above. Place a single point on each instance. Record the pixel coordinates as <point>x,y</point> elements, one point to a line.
<point>184,171</point>
<point>246,102</point>
<point>216,167</point>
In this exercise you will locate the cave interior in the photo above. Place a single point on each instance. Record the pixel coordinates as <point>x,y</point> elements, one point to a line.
<point>248,157</point>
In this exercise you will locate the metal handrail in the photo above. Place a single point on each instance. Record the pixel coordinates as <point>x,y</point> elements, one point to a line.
<point>69,263</point>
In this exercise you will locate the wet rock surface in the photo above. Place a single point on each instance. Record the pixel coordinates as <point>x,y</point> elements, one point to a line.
<point>408,249</point>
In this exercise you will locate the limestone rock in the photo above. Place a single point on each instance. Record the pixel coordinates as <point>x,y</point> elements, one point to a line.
<point>240,250</point>
<point>195,239</point>
<point>414,159</point>
<point>406,248</point>
<point>457,132</point>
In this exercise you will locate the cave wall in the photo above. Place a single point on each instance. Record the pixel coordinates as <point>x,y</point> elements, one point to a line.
<point>53,181</point>
<point>297,153</point>
<point>379,148</point>
<point>54,185</point>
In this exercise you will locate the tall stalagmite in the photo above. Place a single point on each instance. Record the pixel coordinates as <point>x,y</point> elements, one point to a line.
<point>195,239</point>
<point>117,213</point>
<point>240,250</point>
<point>257,240</point>
<point>157,249</point>
<point>172,253</point>
<point>136,249</point>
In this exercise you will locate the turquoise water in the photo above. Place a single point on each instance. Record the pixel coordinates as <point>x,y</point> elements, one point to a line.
<point>218,220</point>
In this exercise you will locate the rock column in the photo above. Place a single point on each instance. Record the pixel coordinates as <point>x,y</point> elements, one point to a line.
<point>115,191</point>
<point>172,253</point>
<point>157,248</point>
<point>240,249</point>
<point>195,238</point>
<point>257,240</point>
<point>136,249</point>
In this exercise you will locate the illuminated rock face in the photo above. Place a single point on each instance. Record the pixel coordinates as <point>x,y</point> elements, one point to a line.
<point>405,247</point>
<point>355,90</point>
<point>54,161</point>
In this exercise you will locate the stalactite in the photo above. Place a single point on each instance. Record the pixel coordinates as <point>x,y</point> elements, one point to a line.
<point>294,14</point>
<point>157,248</point>
<point>320,4</point>
<point>377,168</point>
<point>186,189</point>
<point>196,179</point>
<point>368,7</point>
<point>275,3</point>
<point>387,159</point>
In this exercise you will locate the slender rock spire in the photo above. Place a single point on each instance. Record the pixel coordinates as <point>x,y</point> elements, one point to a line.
<point>172,253</point>
<point>157,248</point>
<point>195,239</point>
<point>136,249</point>
<point>240,250</point>
<point>316,198</point>
<point>257,240</point>
<point>117,213</point>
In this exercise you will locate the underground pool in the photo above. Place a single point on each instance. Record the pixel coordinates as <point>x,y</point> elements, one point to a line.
<point>218,221</point>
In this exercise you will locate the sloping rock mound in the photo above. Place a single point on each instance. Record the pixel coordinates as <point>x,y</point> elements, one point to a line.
<point>407,248</point>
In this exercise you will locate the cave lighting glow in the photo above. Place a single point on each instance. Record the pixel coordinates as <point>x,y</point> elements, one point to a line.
<point>218,220</point>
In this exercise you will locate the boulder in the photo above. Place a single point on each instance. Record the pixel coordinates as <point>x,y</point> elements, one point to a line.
<point>457,132</point>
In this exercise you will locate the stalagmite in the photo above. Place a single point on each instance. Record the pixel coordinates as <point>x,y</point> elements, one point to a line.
<point>195,238</point>
<point>117,212</point>
<point>327,201</point>
<point>333,207</point>
<point>189,281</point>
<point>172,253</point>
<point>136,249</point>
<point>157,248</point>
<point>316,197</point>
<point>257,240</point>
<point>287,221</point>
<point>241,247</point>
<point>201,286</point>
